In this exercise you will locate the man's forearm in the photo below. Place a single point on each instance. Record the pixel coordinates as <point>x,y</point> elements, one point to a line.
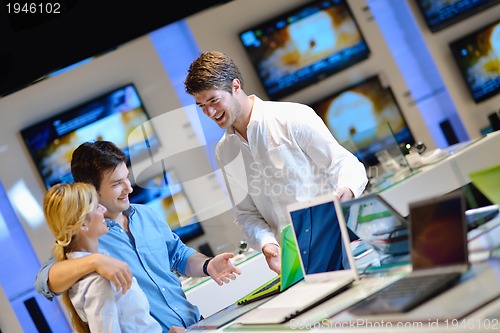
<point>63,274</point>
<point>194,265</point>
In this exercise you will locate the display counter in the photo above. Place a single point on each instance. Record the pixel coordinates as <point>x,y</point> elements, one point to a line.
<point>445,175</point>
<point>210,297</point>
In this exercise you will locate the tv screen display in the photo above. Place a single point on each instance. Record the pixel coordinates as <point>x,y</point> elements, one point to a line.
<point>304,45</point>
<point>359,118</point>
<point>112,116</point>
<point>440,14</point>
<point>478,58</point>
<point>167,197</point>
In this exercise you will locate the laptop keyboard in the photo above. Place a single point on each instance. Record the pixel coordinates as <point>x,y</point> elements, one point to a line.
<point>405,294</point>
<point>306,294</point>
<point>416,285</point>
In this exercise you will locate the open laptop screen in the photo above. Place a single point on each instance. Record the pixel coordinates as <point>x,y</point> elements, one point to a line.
<point>291,270</point>
<point>438,232</point>
<point>377,224</point>
<point>318,236</point>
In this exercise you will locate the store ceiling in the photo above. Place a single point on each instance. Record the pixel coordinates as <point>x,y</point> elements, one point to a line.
<point>33,44</point>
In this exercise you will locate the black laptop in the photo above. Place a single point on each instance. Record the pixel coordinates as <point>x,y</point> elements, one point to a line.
<point>439,255</point>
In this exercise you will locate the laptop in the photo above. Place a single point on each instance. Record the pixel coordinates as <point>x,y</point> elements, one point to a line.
<point>380,226</point>
<point>317,286</point>
<point>439,256</point>
<point>225,316</point>
<point>291,273</point>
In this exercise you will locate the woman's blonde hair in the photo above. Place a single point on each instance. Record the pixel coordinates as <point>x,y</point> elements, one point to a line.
<point>66,207</point>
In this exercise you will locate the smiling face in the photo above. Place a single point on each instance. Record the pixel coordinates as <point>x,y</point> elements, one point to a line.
<point>114,190</point>
<point>220,106</point>
<point>95,224</point>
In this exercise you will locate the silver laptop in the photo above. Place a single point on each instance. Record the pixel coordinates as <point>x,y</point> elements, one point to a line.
<point>317,286</point>
<point>379,225</point>
<point>439,256</point>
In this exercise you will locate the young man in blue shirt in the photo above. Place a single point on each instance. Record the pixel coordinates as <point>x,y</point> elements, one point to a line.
<point>139,243</point>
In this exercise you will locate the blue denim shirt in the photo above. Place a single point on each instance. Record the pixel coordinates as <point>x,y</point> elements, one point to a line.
<point>153,253</point>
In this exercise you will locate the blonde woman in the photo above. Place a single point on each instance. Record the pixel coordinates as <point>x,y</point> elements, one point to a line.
<point>76,219</point>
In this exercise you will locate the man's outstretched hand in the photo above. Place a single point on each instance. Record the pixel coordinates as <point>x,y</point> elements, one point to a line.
<point>221,269</point>
<point>273,256</point>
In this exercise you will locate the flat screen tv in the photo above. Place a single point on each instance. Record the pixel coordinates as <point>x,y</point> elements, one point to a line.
<point>440,14</point>
<point>166,196</point>
<point>112,116</point>
<point>478,58</point>
<point>358,118</point>
<point>303,46</point>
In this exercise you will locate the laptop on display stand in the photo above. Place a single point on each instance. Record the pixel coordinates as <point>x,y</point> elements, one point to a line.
<point>370,283</point>
<point>291,274</point>
<point>317,286</point>
<point>380,227</point>
<point>291,271</point>
<point>439,256</point>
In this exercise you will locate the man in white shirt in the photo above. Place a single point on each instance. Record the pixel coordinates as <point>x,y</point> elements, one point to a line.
<point>272,154</point>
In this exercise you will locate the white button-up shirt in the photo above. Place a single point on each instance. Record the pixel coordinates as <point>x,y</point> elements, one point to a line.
<point>290,156</point>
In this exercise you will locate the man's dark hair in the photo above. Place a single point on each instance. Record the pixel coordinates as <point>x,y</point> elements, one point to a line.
<point>91,160</point>
<point>212,70</point>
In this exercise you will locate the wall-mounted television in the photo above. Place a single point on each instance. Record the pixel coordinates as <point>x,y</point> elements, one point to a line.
<point>304,46</point>
<point>478,58</point>
<point>112,116</point>
<point>440,14</point>
<point>359,117</point>
<point>166,196</point>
